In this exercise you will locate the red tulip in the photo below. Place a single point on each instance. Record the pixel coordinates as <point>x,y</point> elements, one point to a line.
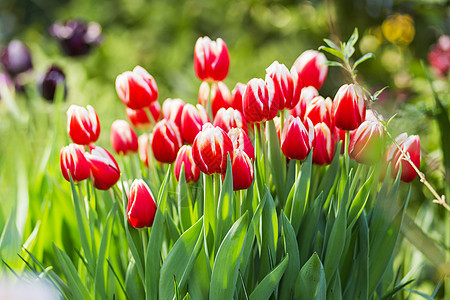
<point>210,149</point>
<point>367,143</point>
<point>192,119</point>
<point>325,144</point>
<point>240,140</point>
<point>191,171</point>
<point>144,142</point>
<point>411,146</point>
<point>166,141</point>
<point>242,169</point>
<point>141,208</point>
<point>219,95</point>
<point>348,108</point>
<point>104,169</point>
<point>260,100</point>
<point>284,84</point>
<point>211,59</point>
<point>123,138</point>
<point>236,96</point>
<point>136,89</point>
<point>311,69</point>
<point>296,139</point>
<point>230,118</point>
<point>72,160</point>
<point>306,96</point>
<point>146,117</point>
<point>319,110</point>
<point>172,110</point>
<point>82,124</point>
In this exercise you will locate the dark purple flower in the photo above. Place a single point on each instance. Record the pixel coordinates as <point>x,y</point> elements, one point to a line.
<point>16,58</point>
<point>76,37</point>
<point>49,81</point>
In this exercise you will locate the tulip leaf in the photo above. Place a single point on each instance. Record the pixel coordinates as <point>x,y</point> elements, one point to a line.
<point>301,193</point>
<point>225,271</point>
<point>153,256</point>
<point>199,279</point>
<point>275,161</point>
<point>209,212</point>
<point>184,201</point>
<point>269,236</point>
<point>225,204</point>
<point>311,282</point>
<point>359,201</point>
<point>362,285</point>
<point>180,260</point>
<point>331,175</point>
<point>267,286</point>
<point>10,240</point>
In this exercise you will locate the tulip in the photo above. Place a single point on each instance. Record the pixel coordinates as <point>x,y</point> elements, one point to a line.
<point>319,110</point>
<point>219,94</point>
<point>325,143</point>
<point>284,85</point>
<point>348,108</point>
<point>439,57</point>
<point>140,117</point>
<point>260,100</point>
<point>104,169</point>
<point>306,96</point>
<point>311,69</point>
<point>83,125</point>
<point>242,169</point>
<point>296,139</point>
<point>50,80</point>
<point>72,160</point>
<point>76,37</point>
<point>210,149</point>
<point>240,140</point>
<point>123,138</point>
<point>370,116</point>
<point>230,118</point>
<point>191,171</point>
<point>141,208</point>
<point>192,119</point>
<point>136,89</point>
<point>172,110</point>
<point>367,143</point>
<point>16,58</point>
<point>144,141</point>
<point>411,146</point>
<point>236,96</point>
<point>166,141</point>
<point>211,59</point>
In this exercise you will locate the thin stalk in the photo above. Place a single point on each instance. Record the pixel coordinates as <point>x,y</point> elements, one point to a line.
<point>346,157</point>
<point>262,139</point>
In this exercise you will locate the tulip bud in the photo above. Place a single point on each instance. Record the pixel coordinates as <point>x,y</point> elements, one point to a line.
<point>141,208</point>
<point>211,59</point>
<point>296,139</point>
<point>284,85</point>
<point>236,96</point>
<point>136,89</point>
<point>50,80</point>
<point>411,146</point>
<point>192,119</point>
<point>104,169</point>
<point>319,110</point>
<point>144,142</point>
<point>72,160</point>
<point>306,96</point>
<point>191,172</point>
<point>219,94</point>
<point>166,141</point>
<point>260,100</point>
<point>242,170</point>
<point>230,118</point>
<point>210,149</point>
<point>367,143</point>
<point>172,110</point>
<point>325,144</point>
<point>146,117</point>
<point>16,58</point>
<point>311,69</point>
<point>76,37</point>
<point>240,140</point>
<point>123,138</point>
<point>348,108</point>
<point>83,125</point>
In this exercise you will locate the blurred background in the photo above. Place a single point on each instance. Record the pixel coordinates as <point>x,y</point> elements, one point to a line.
<point>160,36</point>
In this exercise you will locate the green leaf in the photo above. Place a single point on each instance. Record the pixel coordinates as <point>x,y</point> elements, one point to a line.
<point>311,282</point>
<point>288,282</point>
<point>184,201</point>
<point>180,260</point>
<point>301,193</point>
<point>198,281</point>
<point>10,241</point>
<point>153,256</point>
<point>266,287</point>
<point>377,93</point>
<point>269,236</point>
<point>359,201</point>
<point>331,175</point>
<point>353,38</point>
<point>331,44</point>
<point>225,204</point>
<point>226,265</point>
<point>390,119</point>
<point>275,161</point>
<point>209,213</point>
<point>363,59</point>
<point>332,51</point>
<point>362,286</point>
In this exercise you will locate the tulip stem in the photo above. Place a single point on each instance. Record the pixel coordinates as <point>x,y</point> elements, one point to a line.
<point>346,157</point>
<point>262,139</point>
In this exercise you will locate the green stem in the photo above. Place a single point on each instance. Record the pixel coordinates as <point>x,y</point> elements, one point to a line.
<point>346,157</point>
<point>262,139</point>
